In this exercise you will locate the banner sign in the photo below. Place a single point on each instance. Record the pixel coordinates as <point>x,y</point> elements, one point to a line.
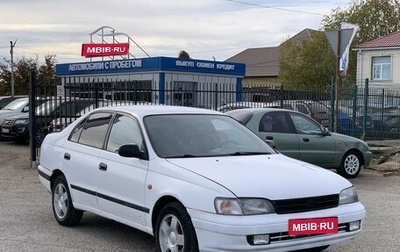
<point>101,50</point>
<point>162,64</point>
<point>344,59</point>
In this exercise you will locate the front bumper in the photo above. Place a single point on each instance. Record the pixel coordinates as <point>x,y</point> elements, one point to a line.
<point>229,233</point>
<point>15,131</point>
<point>367,158</point>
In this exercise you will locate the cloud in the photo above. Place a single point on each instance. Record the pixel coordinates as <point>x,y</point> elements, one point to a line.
<point>204,28</point>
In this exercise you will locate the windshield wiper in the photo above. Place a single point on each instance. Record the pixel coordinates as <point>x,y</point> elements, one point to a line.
<point>183,156</point>
<point>244,153</point>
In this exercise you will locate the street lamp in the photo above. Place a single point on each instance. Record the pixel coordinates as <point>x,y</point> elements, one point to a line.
<point>12,65</point>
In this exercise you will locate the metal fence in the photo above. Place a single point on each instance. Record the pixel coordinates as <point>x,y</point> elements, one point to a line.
<point>371,113</point>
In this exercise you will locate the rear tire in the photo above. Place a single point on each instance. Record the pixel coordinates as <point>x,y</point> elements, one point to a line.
<point>351,165</point>
<point>63,209</point>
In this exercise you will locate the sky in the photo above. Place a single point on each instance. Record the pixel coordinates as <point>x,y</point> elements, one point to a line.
<point>206,29</point>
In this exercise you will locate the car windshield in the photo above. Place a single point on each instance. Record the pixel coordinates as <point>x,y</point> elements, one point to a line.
<point>16,104</point>
<point>198,135</point>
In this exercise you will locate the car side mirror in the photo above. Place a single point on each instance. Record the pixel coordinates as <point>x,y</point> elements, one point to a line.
<point>271,143</point>
<point>25,109</point>
<point>325,131</point>
<point>131,150</point>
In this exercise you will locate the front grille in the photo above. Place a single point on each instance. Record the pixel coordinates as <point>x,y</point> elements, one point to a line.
<point>8,122</point>
<point>306,204</point>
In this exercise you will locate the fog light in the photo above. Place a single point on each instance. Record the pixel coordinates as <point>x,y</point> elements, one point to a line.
<point>354,225</point>
<point>20,130</point>
<point>260,239</point>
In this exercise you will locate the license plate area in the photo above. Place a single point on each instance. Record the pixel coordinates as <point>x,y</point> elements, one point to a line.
<point>313,226</point>
<point>5,130</point>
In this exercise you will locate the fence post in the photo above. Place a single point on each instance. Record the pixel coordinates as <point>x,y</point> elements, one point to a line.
<point>281,98</point>
<point>332,118</point>
<point>32,124</point>
<point>365,108</point>
<point>216,97</point>
<point>354,114</point>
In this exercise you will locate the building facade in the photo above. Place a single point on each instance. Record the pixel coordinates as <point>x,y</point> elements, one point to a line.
<point>159,80</point>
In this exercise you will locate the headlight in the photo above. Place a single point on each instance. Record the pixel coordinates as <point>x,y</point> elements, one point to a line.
<point>243,206</point>
<point>348,195</point>
<point>22,121</point>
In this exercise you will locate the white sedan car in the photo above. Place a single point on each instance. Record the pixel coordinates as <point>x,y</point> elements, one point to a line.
<point>197,180</point>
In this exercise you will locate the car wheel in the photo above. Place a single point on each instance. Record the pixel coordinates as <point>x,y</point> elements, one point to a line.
<point>350,166</point>
<point>63,210</point>
<point>174,230</point>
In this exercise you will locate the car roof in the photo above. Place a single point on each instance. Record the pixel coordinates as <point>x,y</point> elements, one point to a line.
<point>144,110</point>
<point>254,110</point>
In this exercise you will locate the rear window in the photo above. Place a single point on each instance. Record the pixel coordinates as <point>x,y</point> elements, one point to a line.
<point>241,116</point>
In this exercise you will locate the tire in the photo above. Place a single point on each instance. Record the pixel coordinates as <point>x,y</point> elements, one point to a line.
<point>174,230</point>
<point>351,164</point>
<point>63,209</point>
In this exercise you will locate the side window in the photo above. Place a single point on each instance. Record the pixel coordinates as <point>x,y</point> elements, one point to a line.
<point>93,131</point>
<point>305,125</point>
<point>76,132</point>
<point>124,130</point>
<point>276,122</point>
<point>266,123</point>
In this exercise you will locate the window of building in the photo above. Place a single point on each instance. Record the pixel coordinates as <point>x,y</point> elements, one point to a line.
<point>381,67</point>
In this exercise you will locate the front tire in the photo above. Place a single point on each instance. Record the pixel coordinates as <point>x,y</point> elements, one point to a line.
<point>174,230</point>
<point>350,166</point>
<point>63,209</point>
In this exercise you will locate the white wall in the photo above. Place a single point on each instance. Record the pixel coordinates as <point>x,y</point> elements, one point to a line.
<point>364,68</point>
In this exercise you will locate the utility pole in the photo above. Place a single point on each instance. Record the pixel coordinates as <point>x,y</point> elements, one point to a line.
<point>12,44</point>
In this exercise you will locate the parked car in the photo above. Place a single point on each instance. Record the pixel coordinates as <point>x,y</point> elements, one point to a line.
<point>4,100</point>
<point>16,127</point>
<point>314,109</point>
<point>20,105</point>
<point>239,105</point>
<point>197,180</point>
<point>61,122</point>
<point>353,126</point>
<point>301,137</point>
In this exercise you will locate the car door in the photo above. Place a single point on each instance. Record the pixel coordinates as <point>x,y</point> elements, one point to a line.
<point>81,155</point>
<point>121,180</point>
<point>277,126</point>
<point>314,146</point>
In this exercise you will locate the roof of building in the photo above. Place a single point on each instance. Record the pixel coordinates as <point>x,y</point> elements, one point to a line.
<point>388,41</point>
<point>264,61</point>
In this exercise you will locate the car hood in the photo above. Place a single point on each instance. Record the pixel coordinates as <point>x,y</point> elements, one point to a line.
<point>347,139</point>
<point>7,113</point>
<point>269,176</point>
<point>17,115</point>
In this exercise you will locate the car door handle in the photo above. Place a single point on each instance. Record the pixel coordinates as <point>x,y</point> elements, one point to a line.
<point>102,167</point>
<point>269,137</point>
<point>306,139</point>
<point>67,156</point>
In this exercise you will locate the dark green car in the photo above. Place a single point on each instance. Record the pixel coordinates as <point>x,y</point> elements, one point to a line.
<point>298,136</point>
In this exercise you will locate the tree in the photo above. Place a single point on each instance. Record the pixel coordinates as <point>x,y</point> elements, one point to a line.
<point>305,66</point>
<point>22,69</point>
<point>184,55</point>
<point>375,18</point>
